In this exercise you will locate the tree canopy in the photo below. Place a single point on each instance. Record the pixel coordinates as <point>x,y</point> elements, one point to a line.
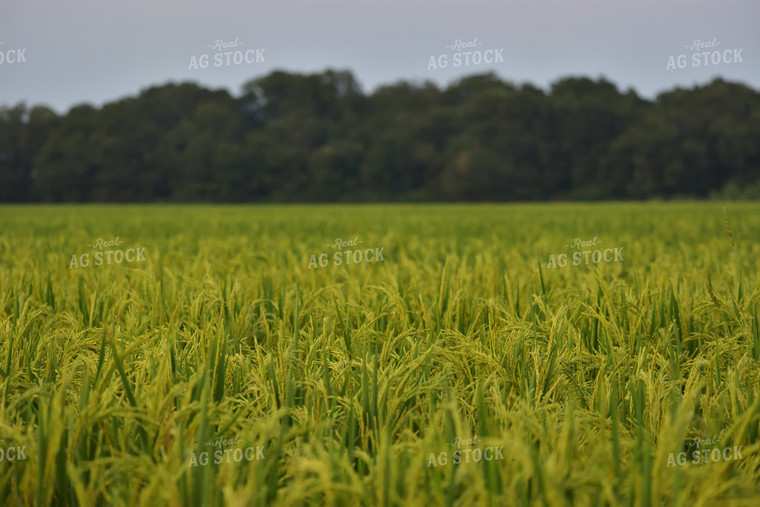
<point>319,137</point>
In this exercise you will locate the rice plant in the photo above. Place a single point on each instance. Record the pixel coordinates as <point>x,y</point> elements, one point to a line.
<point>222,366</point>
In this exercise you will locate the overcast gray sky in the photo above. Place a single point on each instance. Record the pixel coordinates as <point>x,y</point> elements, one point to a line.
<point>100,50</point>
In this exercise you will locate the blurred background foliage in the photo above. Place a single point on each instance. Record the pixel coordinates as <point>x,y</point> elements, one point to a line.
<point>319,138</point>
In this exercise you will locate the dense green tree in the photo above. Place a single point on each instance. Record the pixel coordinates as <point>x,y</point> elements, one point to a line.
<point>23,132</point>
<point>319,137</point>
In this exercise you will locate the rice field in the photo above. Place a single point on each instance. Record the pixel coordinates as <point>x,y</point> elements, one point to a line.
<point>248,355</point>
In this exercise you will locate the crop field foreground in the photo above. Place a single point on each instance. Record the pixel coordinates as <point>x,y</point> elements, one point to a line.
<point>238,355</point>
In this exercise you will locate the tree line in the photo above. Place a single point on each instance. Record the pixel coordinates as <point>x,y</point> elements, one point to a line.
<point>318,137</point>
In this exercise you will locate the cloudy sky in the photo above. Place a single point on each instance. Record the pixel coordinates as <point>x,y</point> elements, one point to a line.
<point>100,50</point>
